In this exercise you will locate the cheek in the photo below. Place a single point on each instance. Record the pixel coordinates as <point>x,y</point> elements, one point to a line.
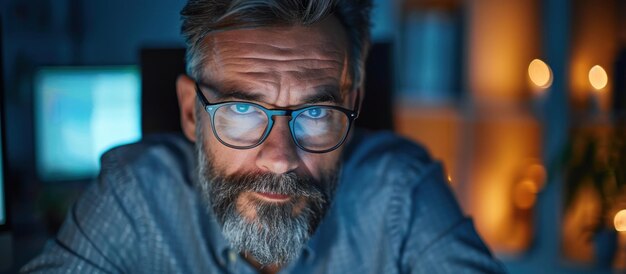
<point>225,159</point>
<point>316,164</point>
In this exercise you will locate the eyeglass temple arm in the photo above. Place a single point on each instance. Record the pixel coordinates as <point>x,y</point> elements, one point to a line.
<point>357,103</point>
<point>201,97</point>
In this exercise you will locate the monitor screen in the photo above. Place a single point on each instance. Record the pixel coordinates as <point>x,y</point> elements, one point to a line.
<point>81,112</point>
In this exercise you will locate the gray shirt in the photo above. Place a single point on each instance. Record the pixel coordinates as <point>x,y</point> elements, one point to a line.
<point>393,213</point>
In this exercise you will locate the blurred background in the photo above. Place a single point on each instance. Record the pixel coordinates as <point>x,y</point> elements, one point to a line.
<point>523,100</point>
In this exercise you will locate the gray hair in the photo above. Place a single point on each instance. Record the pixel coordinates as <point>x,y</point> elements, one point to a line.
<point>201,17</point>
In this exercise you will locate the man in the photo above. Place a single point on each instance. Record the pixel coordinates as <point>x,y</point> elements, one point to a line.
<point>276,181</point>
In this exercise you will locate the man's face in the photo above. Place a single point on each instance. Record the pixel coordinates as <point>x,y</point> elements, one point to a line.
<point>277,68</point>
<point>270,198</point>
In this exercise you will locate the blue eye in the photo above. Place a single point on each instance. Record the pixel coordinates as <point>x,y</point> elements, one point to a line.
<point>316,113</point>
<point>241,108</point>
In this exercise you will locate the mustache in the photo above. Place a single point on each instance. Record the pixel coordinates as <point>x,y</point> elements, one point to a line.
<point>286,184</point>
<point>225,191</point>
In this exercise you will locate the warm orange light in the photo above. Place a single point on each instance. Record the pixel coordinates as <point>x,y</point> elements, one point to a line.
<point>525,194</point>
<point>538,174</point>
<point>620,220</point>
<point>540,73</point>
<point>598,77</point>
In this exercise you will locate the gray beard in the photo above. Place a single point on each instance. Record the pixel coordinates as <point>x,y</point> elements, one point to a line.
<point>279,231</point>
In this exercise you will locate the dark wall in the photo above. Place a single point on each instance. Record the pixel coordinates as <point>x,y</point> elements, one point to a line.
<point>72,32</point>
<point>63,32</point>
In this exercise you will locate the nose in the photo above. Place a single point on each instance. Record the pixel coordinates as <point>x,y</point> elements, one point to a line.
<point>278,153</point>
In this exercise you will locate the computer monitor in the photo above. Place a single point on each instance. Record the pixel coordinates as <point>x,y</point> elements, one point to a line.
<point>81,112</point>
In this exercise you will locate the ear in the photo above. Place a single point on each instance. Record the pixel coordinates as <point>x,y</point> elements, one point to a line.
<point>186,92</point>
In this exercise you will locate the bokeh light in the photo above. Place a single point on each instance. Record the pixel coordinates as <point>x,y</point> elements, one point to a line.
<point>620,220</point>
<point>540,73</point>
<point>525,194</point>
<point>598,77</point>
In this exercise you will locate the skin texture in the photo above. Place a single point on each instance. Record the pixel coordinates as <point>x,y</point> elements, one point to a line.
<point>277,67</point>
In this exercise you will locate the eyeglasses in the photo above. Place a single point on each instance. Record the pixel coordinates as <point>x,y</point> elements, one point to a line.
<point>245,125</point>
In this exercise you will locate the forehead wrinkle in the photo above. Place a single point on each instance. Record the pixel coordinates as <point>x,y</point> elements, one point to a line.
<point>275,87</point>
<point>276,62</point>
<point>273,71</point>
<point>315,52</point>
<point>268,63</point>
<point>230,42</point>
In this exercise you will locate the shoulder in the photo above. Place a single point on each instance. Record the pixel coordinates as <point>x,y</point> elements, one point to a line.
<point>386,152</point>
<point>149,180</point>
<point>138,175</point>
<point>383,170</point>
<point>154,156</point>
<point>402,173</point>
<point>390,185</point>
<point>116,216</point>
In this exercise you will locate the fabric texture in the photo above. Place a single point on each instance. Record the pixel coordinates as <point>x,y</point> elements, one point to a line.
<point>393,213</point>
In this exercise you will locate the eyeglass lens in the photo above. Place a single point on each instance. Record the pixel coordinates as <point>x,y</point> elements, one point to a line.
<point>317,128</point>
<point>320,128</point>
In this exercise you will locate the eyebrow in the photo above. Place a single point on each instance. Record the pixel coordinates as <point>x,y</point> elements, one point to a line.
<point>228,94</point>
<point>238,95</point>
<point>322,94</point>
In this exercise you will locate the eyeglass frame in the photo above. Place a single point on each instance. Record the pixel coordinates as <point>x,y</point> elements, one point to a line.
<point>211,108</point>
